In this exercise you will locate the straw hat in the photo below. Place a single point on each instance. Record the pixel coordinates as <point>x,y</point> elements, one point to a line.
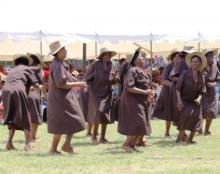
<point>214,51</point>
<point>106,50</point>
<point>38,56</point>
<point>19,56</point>
<point>198,54</point>
<point>55,47</point>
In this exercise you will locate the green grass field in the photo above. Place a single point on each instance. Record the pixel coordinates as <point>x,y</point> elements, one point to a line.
<point>164,156</point>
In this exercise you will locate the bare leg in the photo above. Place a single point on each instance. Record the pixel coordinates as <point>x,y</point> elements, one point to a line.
<point>191,136</point>
<point>67,145</point>
<point>103,132</point>
<point>207,126</point>
<point>200,131</point>
<point>142,142</point>
<point>127,144</point>
<point>9,145</point>
<point>89,129</point>
<point>168,125</point>
<point>34,131</point>
<point>134,141</point>
<point>94,134</point>
<point>27,134</point>
<point>55,142</point>
<point>182,137</point>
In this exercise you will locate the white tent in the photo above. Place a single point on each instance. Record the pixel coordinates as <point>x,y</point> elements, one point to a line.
<point>12,43</point>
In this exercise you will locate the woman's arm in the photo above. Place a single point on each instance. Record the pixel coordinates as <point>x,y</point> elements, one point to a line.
<point>179,101</point>
<point>70,85</point>
<point>135,90</point>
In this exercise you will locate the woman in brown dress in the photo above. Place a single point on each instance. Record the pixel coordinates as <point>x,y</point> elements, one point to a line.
<point>190,87</point>
<point>14,96</point>
<point>209,101</point>
<point>133,118</point>
<point>100,79</point>
<point>34,96</point>
<point>163,106</point>
<point>64,112</point>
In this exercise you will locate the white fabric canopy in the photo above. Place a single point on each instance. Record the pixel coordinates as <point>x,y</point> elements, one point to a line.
<point>12,43</point>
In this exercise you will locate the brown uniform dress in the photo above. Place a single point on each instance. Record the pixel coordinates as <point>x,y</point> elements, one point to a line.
<point>100,93</point>
<point>133,117</point>
<point>34,98</point>
<point>163,107</point>
<point>14,96</point>
<point>189,117</point>
<point>64,112</point>
<point>209,101</point>
<point>178,69</point>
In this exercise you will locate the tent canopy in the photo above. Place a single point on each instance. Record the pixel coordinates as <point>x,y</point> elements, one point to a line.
<point>12,43</point>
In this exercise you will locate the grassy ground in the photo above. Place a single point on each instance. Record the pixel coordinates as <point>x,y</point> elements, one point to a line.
<point>164,156</point>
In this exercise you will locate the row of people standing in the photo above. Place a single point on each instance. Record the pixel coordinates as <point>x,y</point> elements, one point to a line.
<point>188,93</point>
<point>67,115</point>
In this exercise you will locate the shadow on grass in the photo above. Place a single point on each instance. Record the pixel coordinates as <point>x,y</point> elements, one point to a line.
<point>80,144</point>
<point>15,142</point>
<point>116,150</point>
<point>166,143</point>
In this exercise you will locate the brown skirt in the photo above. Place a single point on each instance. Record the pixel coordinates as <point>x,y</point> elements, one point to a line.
<point>162,108</point>
<point>190,117</point>
<point>133,115</point>
<point>84,102</point>
<point>16,108</point>
<point>209,106</point>
<point>34,101</point>
<point>99,108</point>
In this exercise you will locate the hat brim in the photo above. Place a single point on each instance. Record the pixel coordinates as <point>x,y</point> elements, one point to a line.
<point>30,61</point>
<point>214,51</point>
<point>199,54</point>
<point>113,53</point>
<point>38,56</point>
<point>51,53</point>
<point>170,55</point>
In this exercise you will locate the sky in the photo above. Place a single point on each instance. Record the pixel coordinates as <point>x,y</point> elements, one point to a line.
<point>115,17</point>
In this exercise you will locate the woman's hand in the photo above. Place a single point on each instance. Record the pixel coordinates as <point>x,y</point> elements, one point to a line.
<point>211,84</point>
<point>180,105</point>
<point>83,84</point>
<point>198,101</point>
<point>148,92</point>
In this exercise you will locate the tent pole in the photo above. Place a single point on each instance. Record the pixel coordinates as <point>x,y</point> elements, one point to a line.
<point>41,45</point>
<point>84,57</point>
<point>96,50</point>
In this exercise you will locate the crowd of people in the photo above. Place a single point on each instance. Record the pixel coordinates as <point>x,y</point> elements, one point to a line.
<point>181,92</point>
